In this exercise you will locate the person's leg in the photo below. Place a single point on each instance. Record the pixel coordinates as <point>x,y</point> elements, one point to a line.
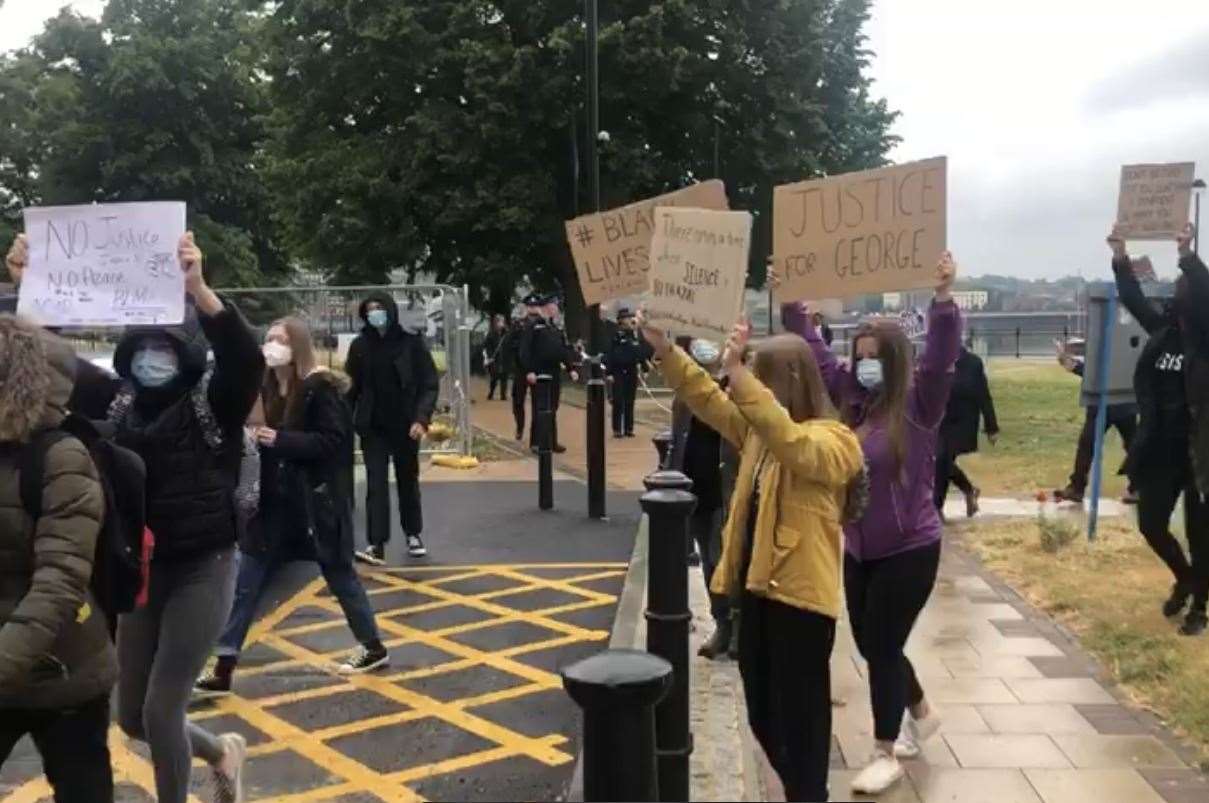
<point>345,585</point>
<point>503,386</point>
<point>856,590</point>
<point>618,407</point>
<point>1196,528</point>
<point>519,389</point>
<point>194,612</point>
<point>556,394</point>
<point>376,453</point>
<point>960,479</point>
<point>406,455</point>
<point>138,640</point>
<point>631,401</point>
<point>14,724</point>
<point>1158,492</point>
<point>251,581</point>
<point>1083,452</point>
<point>944,471</point>
<point>755,671</point>
<point>74,745</point>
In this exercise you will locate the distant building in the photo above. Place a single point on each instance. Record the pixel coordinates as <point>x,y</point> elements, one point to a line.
<point>969,300</point>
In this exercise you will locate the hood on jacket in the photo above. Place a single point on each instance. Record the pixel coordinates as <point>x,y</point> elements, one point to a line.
<point>37,374</point>
<point>388,304</point>
<point>187,339</point>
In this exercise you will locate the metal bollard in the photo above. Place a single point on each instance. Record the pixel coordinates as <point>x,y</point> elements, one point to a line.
<point>663,445</point>
<point>668,618</point>
<point>618,690</point>
<point>544,421</point>
<point>596,441</point>
<point>671,480</point>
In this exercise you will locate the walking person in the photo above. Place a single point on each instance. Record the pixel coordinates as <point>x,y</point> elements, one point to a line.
<point>969,403</point>
<point>626,360</point>
<point>892,553</point>
<point>306,500</point>
<point>520,380</point>
<point>1169,457</point>
<point>495,357</point>
<point>544,350</point>
<point>781,545</point>
<point>57,663</point>
<point>394,392</point>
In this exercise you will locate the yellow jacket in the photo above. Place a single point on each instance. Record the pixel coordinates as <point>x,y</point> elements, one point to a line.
<point>798,546</point>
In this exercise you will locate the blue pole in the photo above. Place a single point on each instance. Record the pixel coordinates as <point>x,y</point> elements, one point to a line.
<point>1102,364</point>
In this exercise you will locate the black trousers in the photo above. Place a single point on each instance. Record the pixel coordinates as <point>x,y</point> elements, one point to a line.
<point>73,744</point>
<point>625,395</point>
<point>1126,424</point>
<point>520,387</point>
<point>885,597</point>
<point>499,379</point>
<point>556,392</point>
<point>785,662</point>
<point>380,450</point>
<point>705,530</point>
<point>1159,488</point>
<point>947,471</point>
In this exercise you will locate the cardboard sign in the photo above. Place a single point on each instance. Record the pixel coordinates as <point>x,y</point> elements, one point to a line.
<point>612,249</point>
<point>104,265</point>
<point>868,232</point>
<point>698,271</point>
<point>1153,204</point>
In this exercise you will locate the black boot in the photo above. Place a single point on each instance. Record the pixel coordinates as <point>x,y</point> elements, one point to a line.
<point>1196,621</point>
<point>735,624</point>
<point>1174,606</point>
<point>719,642</point>
<point>216,682</point>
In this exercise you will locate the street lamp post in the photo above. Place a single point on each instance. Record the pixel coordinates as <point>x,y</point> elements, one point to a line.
<point>591,78</point>
<point>1197,186</point>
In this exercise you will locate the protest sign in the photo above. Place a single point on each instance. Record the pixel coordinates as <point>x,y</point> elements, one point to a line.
<point>1153,204</point>
<point>104,265</point>
<point>868,232</point>
<point>612,249</point>
<point>698,271</point>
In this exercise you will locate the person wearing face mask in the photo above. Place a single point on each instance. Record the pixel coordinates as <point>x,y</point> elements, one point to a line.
<point>544,350</point>
<point>627,357</point>
<point>892,553</point>
<point>306,501</point>
<point>185,419</point>
<point>394,393</point>
<point>1169,455</point>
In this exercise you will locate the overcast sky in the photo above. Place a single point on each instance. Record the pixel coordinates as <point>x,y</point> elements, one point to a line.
<point>1037,104</point>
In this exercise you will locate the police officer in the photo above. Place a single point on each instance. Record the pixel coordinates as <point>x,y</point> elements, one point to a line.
<point>545,350</point>
<point>628,355</point>
<point>516,335</point>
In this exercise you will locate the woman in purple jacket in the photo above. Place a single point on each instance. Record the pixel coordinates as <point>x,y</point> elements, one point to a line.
<point>893,551</point>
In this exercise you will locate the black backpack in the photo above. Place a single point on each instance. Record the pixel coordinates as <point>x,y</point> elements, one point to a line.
<point>124,545</point>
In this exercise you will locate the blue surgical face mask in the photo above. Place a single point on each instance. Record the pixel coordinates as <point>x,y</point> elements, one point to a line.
<point>705,352</point>
<point>377,318</point>
<point>154,367</point>
<point>869,373</point>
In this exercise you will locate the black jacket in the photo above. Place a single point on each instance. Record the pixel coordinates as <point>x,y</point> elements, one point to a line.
<point>544,350</point>
<point>495,351</point>
<point>191,477</point>
<point>969,401</point>
<point>628,354</point>
<point>412,386</point>
<point>697,452</point>
<point>1195,331</point>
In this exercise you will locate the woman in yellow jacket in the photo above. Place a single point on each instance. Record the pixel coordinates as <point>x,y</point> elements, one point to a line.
<point>782,544</point>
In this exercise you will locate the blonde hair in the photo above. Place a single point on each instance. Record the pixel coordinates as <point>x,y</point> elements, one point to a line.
<point>786,366</point>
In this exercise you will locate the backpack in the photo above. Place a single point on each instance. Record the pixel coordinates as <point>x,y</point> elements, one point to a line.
<point>123,554</point>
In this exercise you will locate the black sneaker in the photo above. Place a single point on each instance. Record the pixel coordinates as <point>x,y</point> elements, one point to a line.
<point>1195,622</point>
<point>374,555</point>
<point>364,660</point>
<point>1069,494</point>
<point>559,448</point>
<point>415,547</point>
<point>212,684</point>
<point>1174,605</point>
<point>694,559</point>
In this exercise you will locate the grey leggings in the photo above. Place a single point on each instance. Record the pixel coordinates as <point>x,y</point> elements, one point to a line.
<point>162,648</point>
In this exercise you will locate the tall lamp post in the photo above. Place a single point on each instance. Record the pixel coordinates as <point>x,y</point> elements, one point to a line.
<point>591,78</point>
<point>1197,186</point>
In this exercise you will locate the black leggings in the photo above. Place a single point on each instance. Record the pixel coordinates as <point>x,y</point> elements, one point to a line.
<point>785,662</point>
<point>947,471</point>
<point>1158,491</point>
<point>885,597</point>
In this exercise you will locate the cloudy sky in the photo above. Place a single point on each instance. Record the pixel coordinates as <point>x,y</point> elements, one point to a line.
<point>1037,104</point>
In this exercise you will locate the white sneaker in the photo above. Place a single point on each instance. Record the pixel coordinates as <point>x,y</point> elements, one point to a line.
<point>906,747</point>
<point>415,547</point>
<point>228,773</point>
<point>882,772</point>
<point>923,729</point>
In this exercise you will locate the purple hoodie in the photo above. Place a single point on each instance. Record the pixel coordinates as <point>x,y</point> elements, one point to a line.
<point>901,514</point>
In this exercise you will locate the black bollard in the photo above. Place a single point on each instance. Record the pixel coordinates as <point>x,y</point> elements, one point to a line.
<point>663,445</point>
<point>596,441</point>
<point>544,421</point>
<point>668,619</point>
<point>618,690</point>
<point>670,480</point>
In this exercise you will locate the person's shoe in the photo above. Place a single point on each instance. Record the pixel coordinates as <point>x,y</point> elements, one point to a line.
<point>415,547</point>
<point>364,660</point>
<point>1178,600</point>
<point>718,643</point>
<point>373,555</point>
<point>1069,494</point>
<point>228,773</point>
<point>1130,497</point>
<point>882,772</point>
<point>1194,622</point>
<point>559,448</point>
<point>972,507</point>
<point>629,434</point>
<point>694,559</point>
<point>216,682</point>
<point>906,747</point>
<point>535,450</point>
<point>520,434</point>
<point>618,435</point>
<point>732,649</point>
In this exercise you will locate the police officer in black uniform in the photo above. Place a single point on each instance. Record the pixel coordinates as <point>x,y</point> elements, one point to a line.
<point>628,355</point>
<point>545,350</point>
<point>516,335</point>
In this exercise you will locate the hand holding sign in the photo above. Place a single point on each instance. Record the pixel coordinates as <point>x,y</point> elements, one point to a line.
<point>1183,241</point>
<point>655,337</point>
<point>17,258</point>
<point>1117,243</point>
<point>946,274</point>
<point>736,346</point>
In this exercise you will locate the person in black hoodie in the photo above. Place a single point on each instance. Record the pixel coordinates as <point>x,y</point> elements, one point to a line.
<point>969,402</point>
<point>394,393</point>
<point>520,380</point>
<point>495,357</point>
<point>628,356</point>
<point>544,350</point>
<point>1169,456</point>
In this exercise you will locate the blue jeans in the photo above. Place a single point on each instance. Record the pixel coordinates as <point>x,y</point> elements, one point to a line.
<point>254,573</point>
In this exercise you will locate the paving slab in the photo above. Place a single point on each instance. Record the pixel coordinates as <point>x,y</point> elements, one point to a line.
<point>1092,786</point>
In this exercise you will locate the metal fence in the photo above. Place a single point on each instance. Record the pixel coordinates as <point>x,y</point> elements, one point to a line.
<point>440,312</point>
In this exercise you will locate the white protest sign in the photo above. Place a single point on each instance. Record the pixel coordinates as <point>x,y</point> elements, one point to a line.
<point>1154,199</point>
<point>698,271</point>
<point>104,265</point>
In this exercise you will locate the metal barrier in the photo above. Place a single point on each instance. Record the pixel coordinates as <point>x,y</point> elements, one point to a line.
<point>441,312</point>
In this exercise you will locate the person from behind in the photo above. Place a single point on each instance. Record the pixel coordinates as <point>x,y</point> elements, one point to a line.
<point>626,360</point>
<point>969,403</point>
<point>782,541</point>
<point>57,663</point>
<point>1169,457</point>
<point>394,393</point>
<point>495,357</point>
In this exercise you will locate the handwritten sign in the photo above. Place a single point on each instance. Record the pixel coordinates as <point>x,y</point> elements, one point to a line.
<point>104,265</point>
<point>868,232</point>
<point>698,271</point>
<point>612,249</point>
<point>1153,204</point>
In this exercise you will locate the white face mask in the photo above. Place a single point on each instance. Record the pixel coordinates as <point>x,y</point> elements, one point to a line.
<point>869,373</point>
<point>277,355</point>
<point>154,367</point>
<point>705,352</point>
